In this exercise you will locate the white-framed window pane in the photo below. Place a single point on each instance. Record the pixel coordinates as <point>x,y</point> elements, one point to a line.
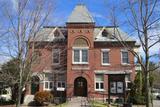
<point>46,85</point>
<point>76,55</point>
<point>56,56</point>
<point>59,84</point>
<point>105,56</point>
<point>119,87</point>
<point>113,87</point>
<point>97,85</point>
<point>99,82</point>
<point>50,85</point>
<point>125,58</point>
<point>101,85</point>
<point>84,55</point>
<point>63,84</point>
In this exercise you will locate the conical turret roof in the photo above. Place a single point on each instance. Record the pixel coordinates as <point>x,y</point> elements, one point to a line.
<point>80,14</point>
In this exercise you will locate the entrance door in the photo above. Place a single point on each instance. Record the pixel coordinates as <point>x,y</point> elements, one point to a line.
<point>80,87</point>
<point>34,85</point>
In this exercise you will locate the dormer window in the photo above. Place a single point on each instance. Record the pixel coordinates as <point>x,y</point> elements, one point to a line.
<point>56,33</point>
<point>104,33</point>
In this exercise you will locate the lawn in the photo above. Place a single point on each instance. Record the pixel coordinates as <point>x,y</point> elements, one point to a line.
<point>98,104</point>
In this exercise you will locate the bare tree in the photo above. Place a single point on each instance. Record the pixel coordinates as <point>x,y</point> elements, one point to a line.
<point>22,25</point>
<point>142,17</point>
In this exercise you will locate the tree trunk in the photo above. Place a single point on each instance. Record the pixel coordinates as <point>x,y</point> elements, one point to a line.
<point>20,86</point>
<point>148,91</point>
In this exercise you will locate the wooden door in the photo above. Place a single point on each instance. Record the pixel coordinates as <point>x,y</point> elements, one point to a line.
<point>80,87</point>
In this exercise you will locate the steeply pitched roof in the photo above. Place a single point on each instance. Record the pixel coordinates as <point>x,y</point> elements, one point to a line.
<point>48,34</point>
<point>113,34</point>
<point>80,14</point>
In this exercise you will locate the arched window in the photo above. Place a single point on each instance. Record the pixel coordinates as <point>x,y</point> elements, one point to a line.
<point>80,42</point>
<point>80,51</point>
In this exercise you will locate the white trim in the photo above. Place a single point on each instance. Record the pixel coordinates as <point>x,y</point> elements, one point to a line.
<point>126,85</point>
<point>105,50</point>
<point>61,34</point>
<point>80,55</point>
<point>61,84</point>
<point>112,72</point>
<point>99,83</point>
<point>56,50</point>
<point>80,47</point>
<point>44,84</point>
<point>124,50</point>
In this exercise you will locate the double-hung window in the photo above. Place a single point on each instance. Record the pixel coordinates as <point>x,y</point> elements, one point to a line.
<point>99,82</point>
<point>80,56</point>
<point>48,85</point>
<point>48,81</point>
<point>105,57</point>
<point>56,56</point>
<point>125,57</point>
<point>61,84</point>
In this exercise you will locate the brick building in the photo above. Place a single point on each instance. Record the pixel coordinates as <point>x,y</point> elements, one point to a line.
<point>85,59</point>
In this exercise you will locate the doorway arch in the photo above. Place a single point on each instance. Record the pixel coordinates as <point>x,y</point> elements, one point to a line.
<point>80,87</point>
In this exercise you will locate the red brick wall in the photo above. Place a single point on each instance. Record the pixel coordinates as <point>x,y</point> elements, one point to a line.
<point>76,31</point>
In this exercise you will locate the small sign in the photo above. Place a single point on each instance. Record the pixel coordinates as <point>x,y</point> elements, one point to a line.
<point>60,89</point>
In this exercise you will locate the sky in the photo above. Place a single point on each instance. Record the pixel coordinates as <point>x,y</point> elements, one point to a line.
<point>99,9</point>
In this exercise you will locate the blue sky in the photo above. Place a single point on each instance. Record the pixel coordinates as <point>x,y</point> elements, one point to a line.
<point>63,9</point>
<point>100,10</point>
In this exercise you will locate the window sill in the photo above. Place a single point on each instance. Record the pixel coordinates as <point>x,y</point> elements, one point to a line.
<point>107,64</point>
<point>125,64</point>
<point>55,63</point>
<point>80,63</point>
<point>100,90</point>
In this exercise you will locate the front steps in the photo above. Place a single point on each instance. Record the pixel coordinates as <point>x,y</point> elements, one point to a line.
<point>28,99</point>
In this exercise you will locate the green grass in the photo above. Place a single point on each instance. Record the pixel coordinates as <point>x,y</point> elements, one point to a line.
<point>59,105</point>
<point>98,104</point>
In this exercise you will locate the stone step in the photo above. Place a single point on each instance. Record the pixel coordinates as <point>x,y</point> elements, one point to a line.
<point>28,99</point>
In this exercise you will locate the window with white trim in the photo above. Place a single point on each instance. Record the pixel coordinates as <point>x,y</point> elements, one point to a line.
<point>48,81</point>
<point>99,82</point>
<point>61,84</point>
<point>125,57</point>
<point>80,55</point>
<point>48,85</point>
<point>56,56</point>
<point>105,56</point>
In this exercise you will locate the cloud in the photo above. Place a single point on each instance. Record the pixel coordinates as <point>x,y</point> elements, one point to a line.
<point>97,15</point>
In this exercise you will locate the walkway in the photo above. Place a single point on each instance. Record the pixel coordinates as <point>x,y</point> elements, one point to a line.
<point>78,102</point>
